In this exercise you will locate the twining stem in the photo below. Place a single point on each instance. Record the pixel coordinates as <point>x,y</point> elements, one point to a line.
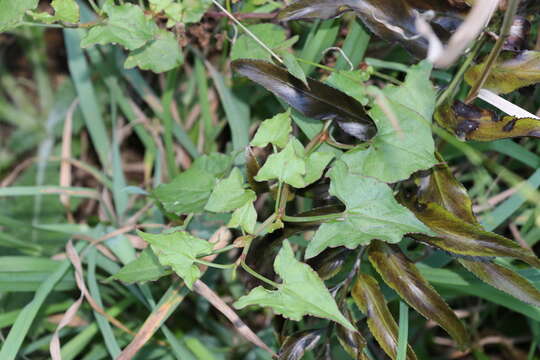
<point>319,138</point>
<point>214,265</point>
<point>219,251</point>
<point>327,217</point>
<point>511,11</point>
<point>246,30</point>
<point>451,89</point>
<point>259,276</point>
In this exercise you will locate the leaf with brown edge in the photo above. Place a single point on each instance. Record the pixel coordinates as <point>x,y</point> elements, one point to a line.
<point>403,276</point>
<point>370,300</point>
<point>504,279</point>
<point>295,346</point>
<point>470,122</point>
<point>462,238</point>
<point>318,101</point>
<point>441,187</point>
<point>509,73</point>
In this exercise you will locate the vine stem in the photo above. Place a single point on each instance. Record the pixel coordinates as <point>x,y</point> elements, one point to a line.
<point>326,217</point>
<point>450,90</point>
<point>247,31</point>
<point>511,11</point>
<point>214,265</point>
<point>259,276</point>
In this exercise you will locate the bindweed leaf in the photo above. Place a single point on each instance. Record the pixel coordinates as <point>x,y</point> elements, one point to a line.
<point>470,122</point>
<point>274,131</point>
<point>510,72</point>
<point>145,268</point>
<point>400,149</point>
<point>13,12</point>
<point>403,276</point>
<point>301,293</point>
<point>179,250</point>
<point>294,67</point>
<point>291,165</point>
<point>161,54</point>
<point>126,25</point>
<point>371,212</point>
<point>287,166</point>
<point>216,164</point>
<point>244,217</point>
<point>187,193</point>
<point>64,10</point>
<point>229,194</point>
<point>460,237</point>
<point>319,101</point>
<point>271,35</point>
<point>295,346</point>
<point>193,10</point>
<point>370,300</point>
<point>352,83</point>
<point>504,279</point>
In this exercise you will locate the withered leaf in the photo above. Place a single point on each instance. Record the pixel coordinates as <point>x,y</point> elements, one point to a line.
<point>504,279</point>
<point>403,276</point>
<point>370,300</point>
<point>460,237</point>
<point>510,72</point>
<point>295,346</point>
<point>319,101</point>
<point>470,122</point>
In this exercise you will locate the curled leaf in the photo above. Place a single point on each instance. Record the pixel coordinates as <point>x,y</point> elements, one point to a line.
<point>460,237</point>
<point>252,168</point>
<point>370,300</point>
<point>469,122</point>
<point>318,101</point>
<point>518,35</point>
<point>329,263</point>
<point>403,276</point>
<point>504,279</point>
<point>509,73</point>
<point>441,187</point>
<point>295,346</point>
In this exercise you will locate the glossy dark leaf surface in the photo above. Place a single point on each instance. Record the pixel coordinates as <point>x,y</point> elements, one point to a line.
<point>352,341</point>
<point>295,346</point>
<point>392,20</point>
<point>369,298</point>
<point>460,237</point>
<point>329,263</point>
<point>504,279</point>
<point>469,122</point>
<point>441,187</point>
<point>510,72</point>
<point>403,276</point>
<point>315,9</point>
<point>319,101</point>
